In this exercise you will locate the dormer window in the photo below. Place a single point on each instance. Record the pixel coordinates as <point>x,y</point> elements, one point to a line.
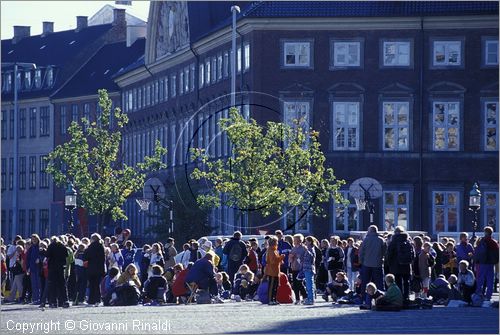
<point>50,76</point>
<point>27,80</point>
<point>6,82</point>
<point>38,78</point>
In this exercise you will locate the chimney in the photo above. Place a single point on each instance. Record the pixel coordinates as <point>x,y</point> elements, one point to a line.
<point>124,3</point>
<point>21,32</point>
<point>119,16</point>
<point>81,22</point>
<point>48,27</point>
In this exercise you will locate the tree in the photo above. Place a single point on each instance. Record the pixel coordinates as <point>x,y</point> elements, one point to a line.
<point>190,221</point>
<point>269,170</point>
<point>91,160</point>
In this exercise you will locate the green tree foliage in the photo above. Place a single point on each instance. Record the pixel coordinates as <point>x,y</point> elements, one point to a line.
<point>269,170</point>
<point>92,162</point>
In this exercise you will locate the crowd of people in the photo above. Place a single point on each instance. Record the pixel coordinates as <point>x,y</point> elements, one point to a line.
<point>380,271</point>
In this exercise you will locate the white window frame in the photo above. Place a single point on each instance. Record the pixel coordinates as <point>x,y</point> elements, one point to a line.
<point>238,60</point>
<point>487,44</point>
<point>173,140</point>
<point>339,209</point>
<point>201,75</point>
<point>445,124</point>
<point>447,45</point>
<point>225,70</point>
<point>186,79</point>
<point>335,52</point>
<point>398,53</point>
<point>173,85</point>
<point>246,53</point>
<point>345,125</point>
<point>446,208</point>
<point>219,67</point>
<point>192,77</point>
<point>166,89</point>
<point>207,71</point>
<point>297,106</point>
<point>181,82</point>
<point>487,207</point>
<point>488,123</point>
<point>296,212</point>
<point>395,125</point>
<point>214,69</point>
<point>297,44</point>
<point>395,207</point>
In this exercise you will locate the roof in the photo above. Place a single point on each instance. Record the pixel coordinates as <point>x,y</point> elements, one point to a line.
<point>99,71</point>
<point>105,15</point>
<point>275,9</point>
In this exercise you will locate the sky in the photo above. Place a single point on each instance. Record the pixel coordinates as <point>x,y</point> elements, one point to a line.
<point>62,13</point>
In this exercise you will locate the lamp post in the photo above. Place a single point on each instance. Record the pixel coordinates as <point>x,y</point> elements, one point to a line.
<point>70,203</point>
<point>15,190</point>
<point>474,205</point>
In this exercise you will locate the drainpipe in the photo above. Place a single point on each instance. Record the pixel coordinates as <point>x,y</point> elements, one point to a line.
<point>421,123</point>
<point>234,10</point>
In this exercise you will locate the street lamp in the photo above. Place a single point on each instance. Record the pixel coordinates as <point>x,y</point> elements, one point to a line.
<point>474,205</point>
<point>70,203</point>
<point>15,197</point>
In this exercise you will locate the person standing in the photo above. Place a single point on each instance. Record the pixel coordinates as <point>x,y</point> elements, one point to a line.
<point>464,249</point>
<point>485,259</point>
<point>284,248</point>
<point>296,260</point>
<point>170,253</point>
<point>272,269</point>
<point>94,256</point>
<point>351,262</point>
<point>236,252</point>
<point>56,258</point>
<point>33,267</point>
<point>400,256</point>
<point>309,268</point>
<point>371,257</point>
<point>335,258</point>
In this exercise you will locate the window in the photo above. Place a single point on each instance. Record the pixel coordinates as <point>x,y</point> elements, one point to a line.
<point>297,219</point>
<point>186,79</point>
<point>8,82</point>
<point>63,120</point>
<point>491,52</point>
<point>191,77</point>
<point>238,60</point>
<point>166,88</point>
<point>44,221</point>
<point>11,124</point>
<point>173,143</point>
<point>22,173</point>
<point>44,177</point>
<point>32,181</point>
<point>173,85</point>
<point>396,125</point>
<point>296,113</point>
<point>219,67</point>
<point>11,173</point>
<point>22,223</point>
<point>447,53</point>
<point>201,75</point>
<point>22,123</point>
<point>346,125</point>
<point>491,209</point>
<point>207,72</point>
<point>346,218</point>
<point>445,211</point>
<point>33,122</point>
<point>225,71</point>
<point>86,114</point>
<point>147,99</point>
<point>396,210</point>
<point>346,53</point>
<point>155,97</point>
<point>297,54</point>
<point>38,78</point>
<point>4,174</point>
<point>50,77</point>
<point>161,90</point>
<point>44,121</point>
<point>446,125</point>
<point>490,125</point>
<point>246,53</point>
<point>27,80</point>
<point>32,221</point>
<point>214,69</point>
<point>4,125</point>
<point>396,53</point>
<point>74,113</point>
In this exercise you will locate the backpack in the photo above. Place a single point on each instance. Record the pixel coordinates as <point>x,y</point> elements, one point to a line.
<point>235,252</point>
<point>406,253</point>
<point>481,253</point>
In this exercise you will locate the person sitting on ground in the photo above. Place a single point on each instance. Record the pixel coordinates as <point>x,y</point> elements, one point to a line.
<point>454,293</point>
<point>247,286</point>
<point>128,288</point>
<point>179,288</point>
<point>108,285</point>
<point>240,275</point>
<point>372,294</point>
<point>466,281</point>
<point>155,287</point>
<point>439,290</point>
<point>392,300</point>
<point>284,292</point>
<point>223,285</point>
<point>337,288</point>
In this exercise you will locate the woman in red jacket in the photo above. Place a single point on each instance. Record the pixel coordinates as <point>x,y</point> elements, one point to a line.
<point>272,271</point>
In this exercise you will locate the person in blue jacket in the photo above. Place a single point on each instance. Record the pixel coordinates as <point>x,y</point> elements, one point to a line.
<point>202,273</point>
<point>284,248</point>
<point>33,266</point>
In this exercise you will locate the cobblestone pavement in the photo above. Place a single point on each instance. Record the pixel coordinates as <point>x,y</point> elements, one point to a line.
<point>245,317</point>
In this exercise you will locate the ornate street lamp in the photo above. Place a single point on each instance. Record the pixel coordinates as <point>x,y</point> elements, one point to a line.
<point>70,203</point>
<point>474,205</point>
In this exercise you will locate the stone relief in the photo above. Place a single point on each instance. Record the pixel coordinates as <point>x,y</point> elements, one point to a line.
<point>172,27</point>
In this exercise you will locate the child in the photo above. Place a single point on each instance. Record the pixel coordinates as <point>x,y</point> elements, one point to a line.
<point>337,288</point>
<point>425,261</point>
<point>272,270</point>
<point>247,287</point>
<point>372,294</point>
<point>223,285</point>
<point>156,286</point>
<point>81,275</point>
<point>466,281</point>
<point>392,300</point>
<point>238,277</point>
<point>108,286</point>
<point>450,260</point>
<point>440,290</point>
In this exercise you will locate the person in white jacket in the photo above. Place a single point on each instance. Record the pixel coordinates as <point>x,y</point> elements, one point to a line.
<point>183,257</point>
